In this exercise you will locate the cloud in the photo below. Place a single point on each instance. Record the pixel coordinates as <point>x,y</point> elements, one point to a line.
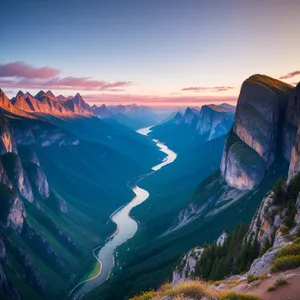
<point>290,75</point>
<point>22,70</point>
<point>66,83</point>
<point>21,75</point>
<point>203,89</point>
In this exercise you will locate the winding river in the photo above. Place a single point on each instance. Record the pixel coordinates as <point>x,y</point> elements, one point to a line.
<point>126,226</point>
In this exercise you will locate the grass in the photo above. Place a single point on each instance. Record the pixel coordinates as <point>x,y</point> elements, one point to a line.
<point>286,263</point>
<point>95,271</point>
<point>196,289</point>
<point>280,281</point>
<point>287,258</point>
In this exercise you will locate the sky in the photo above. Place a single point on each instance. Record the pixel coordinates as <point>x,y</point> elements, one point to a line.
<point>158,52</point>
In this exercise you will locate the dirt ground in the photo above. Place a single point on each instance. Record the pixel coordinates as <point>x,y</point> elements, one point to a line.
<point>289,291</point>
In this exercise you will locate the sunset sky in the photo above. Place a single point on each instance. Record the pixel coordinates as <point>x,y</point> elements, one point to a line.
<point>158,52</point>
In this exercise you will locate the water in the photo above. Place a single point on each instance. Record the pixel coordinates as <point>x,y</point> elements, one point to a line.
<point>126,226</point>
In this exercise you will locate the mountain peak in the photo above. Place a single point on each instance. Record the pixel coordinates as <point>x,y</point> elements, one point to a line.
<point>39,94</point>
<point>20,93</point>
<point>50,95</point>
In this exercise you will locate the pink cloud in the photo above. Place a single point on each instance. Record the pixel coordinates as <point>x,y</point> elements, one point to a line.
<point>201,89</point>
<point>290,75</point>
<point>23,70</point>
<point>66,83</point>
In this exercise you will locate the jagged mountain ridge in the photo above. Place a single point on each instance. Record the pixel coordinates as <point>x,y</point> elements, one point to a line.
<point>47,103</point>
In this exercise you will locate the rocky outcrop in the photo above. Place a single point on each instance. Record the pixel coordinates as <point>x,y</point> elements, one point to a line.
<point>186,268</point>
<point>190,116</point>
<point>7,141</point>
<point>17,175</point>
<point>2,251</point>
<point>266,221</point>
<point>12,212</point>
<point>291,133</point>
<point>17,214</point>
<point>214,120</point>
<point>63,207</point>
<point>241,166</point>
<point>38,179</point>
<point>262,265</point>
<point>222,238</point>
<point>291,122</point>
<point>258,124</point>
<point>3,176</point>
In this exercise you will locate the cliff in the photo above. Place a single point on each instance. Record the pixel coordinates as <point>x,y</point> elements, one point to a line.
<point>17,175</point>
<point>12,209</point>
<point>214,120</point>
<point>257,131</point>
<point>7,142</point>
<point>291,132</point>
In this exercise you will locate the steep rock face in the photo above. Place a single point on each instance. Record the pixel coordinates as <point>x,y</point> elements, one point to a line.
<point>222,238</point>
<point>260,105</point>
<point>17,175</point>
<point>12,212</point>
<point>17,214</point>
<point>262,265</point>
<point>186,268</point>
<point>241,166</point>
<point>266,222</point>
<point>214,120</point>
<point>3,176</point>
<point>38,179</point>
<point>78,106</point>
<point>190,116</point>
<point>2,250</point>
<point>7,142</point>
<point>292,119</point>
<point>258,121</point>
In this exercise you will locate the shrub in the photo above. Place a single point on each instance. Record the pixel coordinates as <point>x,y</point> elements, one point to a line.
<point>278,282</point>
<point>251,278</point>
<point>293,249</point>
<point>232,295</point>
<point>286,263</point>
<point>144,296</point>
<point>271,288</point>
<point>262,276</point>
<point>193,289</point>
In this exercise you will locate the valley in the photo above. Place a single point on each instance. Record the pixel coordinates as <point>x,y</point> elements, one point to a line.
<point>126,226</point>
